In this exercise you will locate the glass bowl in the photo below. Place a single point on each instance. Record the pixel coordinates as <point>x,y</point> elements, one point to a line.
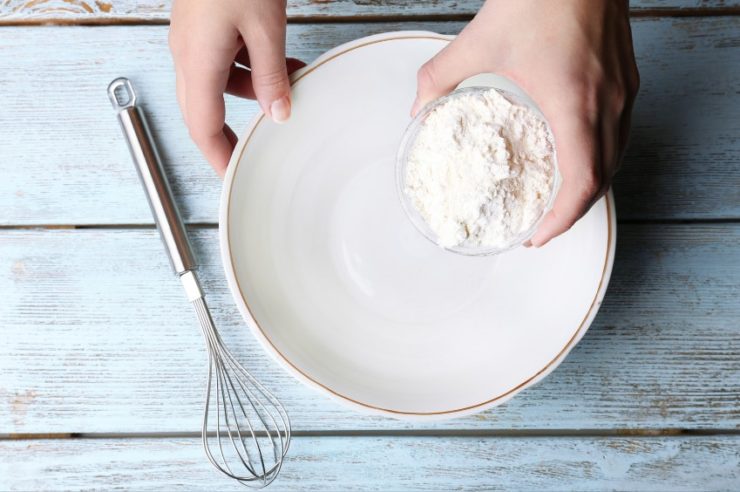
<point>407,142</point>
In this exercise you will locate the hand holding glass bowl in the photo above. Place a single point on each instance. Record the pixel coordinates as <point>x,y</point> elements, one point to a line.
<point>476,86</point>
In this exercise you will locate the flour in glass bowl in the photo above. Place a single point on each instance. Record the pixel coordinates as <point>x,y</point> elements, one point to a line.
<point>480,170</point>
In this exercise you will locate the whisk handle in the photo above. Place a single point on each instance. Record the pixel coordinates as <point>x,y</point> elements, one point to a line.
<point>149,166</point>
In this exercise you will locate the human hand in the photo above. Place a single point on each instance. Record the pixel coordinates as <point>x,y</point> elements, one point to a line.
<point>575,59</point>
<point>211,43</point>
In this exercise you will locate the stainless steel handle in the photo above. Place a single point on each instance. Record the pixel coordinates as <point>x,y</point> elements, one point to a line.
<point>149,166</point>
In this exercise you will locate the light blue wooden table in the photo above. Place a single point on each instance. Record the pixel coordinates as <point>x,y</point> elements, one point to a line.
<point>101,361</point>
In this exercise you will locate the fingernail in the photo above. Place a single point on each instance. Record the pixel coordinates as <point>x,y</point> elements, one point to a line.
<point>280,110</point>
<point>527,243</point>
<point>536,242</point>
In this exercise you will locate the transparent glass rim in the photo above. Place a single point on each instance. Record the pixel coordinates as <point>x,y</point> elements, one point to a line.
<point>407,141</point>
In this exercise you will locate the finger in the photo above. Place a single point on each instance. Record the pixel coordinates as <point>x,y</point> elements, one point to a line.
<point>176,50</point>
<point>624,139</point>
<point>443,72</point>
<point>460,59</point>
<point>240,79</point>
<point>609,153</point>
<point>632,86</point>
<point>180,93</point>
<point>230,136</point>
<point>266,46</point>
<point>206,112</point>
<point>579,159</point>
<point>624,133</point>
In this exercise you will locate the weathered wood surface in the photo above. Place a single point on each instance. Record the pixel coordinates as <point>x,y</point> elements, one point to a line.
<point>132,11</point>
<point>387,463</point>
<point>58,128</point>
<point>98,337</point>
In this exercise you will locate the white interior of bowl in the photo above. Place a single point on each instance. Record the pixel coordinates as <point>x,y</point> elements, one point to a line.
<point>345,292</point>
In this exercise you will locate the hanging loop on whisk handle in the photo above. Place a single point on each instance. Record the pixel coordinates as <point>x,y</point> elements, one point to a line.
<point>149,166</point>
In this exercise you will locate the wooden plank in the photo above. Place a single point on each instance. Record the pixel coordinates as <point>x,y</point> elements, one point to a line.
<point>131,11</point>
<point>59,129</point>
<point>97,337</point>
<point>387,463</point>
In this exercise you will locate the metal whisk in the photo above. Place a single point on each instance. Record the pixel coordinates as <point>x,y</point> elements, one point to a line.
<point>258,429</point>
<point>246,431</point>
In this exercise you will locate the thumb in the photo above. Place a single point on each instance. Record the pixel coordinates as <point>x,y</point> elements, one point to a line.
<point>441,74</point>
<point>266,47</point>
<point>578,149</point>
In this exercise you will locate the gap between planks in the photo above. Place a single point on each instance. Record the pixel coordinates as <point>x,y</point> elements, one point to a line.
<point>114,21</point>
<point>470,433</point>
<point>214,225</point>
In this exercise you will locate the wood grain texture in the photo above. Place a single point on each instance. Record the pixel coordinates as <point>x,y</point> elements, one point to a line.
<point>98,337</point>
<point>382,463</point>
<point>58,126</point>
<point>132,11</point>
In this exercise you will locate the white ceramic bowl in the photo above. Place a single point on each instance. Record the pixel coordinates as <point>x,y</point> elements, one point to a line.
<point>343,291</point>
<point>407,143</point>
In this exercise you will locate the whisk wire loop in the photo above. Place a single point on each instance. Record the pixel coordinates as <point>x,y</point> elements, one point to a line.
<point>251,425</point>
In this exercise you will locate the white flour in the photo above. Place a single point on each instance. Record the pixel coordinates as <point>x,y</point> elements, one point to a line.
<point>480,170</point>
